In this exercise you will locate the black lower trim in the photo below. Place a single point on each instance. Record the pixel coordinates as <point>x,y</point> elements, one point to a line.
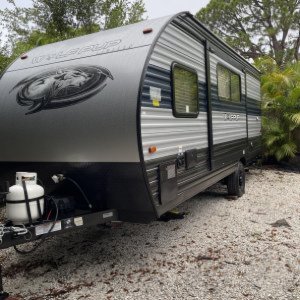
<point>118,186</point>
<point>198,186</point>
<point>229,152</point>
<point>193,180</point>
<point>254,149</point>
<point>184,175</point>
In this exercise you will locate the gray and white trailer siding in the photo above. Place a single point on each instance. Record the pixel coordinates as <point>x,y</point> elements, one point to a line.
<point>143,117</point>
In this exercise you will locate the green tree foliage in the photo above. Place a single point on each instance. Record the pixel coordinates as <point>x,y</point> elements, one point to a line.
<point>281,108</point>
<point>65,17</point>
<point>49,21</point>
<point>4,59</point>
<point>257,28</point>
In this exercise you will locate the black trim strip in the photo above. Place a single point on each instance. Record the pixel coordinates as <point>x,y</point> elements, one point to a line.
<point>245,81</point>
<point>209,106</point>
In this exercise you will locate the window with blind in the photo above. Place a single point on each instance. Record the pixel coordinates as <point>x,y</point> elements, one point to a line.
<point>229,85</point>
<point>185,92</point>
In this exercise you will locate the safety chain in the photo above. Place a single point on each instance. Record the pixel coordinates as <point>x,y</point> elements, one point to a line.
<point>19,231</point>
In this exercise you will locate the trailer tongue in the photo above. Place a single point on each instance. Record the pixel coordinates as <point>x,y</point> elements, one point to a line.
<point>31,215</point>
<point>34,216</point>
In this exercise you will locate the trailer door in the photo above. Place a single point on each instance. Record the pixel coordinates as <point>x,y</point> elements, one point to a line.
<point>228,112</point>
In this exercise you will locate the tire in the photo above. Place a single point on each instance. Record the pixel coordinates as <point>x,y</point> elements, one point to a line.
<point>236,181</point>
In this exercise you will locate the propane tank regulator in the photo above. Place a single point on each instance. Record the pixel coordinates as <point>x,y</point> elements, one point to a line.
<point>25,200</point>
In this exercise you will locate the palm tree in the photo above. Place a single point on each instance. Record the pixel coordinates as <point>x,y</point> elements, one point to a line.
<point>281,111</point>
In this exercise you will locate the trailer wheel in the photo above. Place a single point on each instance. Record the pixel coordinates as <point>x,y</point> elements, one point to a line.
<point>236,181</point>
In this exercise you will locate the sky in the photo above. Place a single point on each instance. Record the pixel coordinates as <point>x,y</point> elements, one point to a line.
<point>155,8</point>
<point>160,8</point>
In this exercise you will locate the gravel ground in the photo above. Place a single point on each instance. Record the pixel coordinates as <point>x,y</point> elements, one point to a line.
<point>221,250</point>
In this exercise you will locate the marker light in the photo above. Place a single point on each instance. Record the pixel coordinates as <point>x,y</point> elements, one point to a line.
<point>152,149</point>
<point>147,30</point>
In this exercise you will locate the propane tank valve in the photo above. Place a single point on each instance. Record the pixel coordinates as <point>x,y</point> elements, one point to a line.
<point>58,178</point>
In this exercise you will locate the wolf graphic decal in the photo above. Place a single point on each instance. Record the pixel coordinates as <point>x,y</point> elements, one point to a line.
<point>61,87</point>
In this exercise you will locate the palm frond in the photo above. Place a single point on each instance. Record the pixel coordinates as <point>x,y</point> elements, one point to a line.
<point>281,109</point>
<point>287,150</point>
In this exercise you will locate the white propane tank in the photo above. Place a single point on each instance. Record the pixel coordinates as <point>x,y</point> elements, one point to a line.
<point>17,212</point>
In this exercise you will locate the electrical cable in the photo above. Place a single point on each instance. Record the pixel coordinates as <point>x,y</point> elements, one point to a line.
<point>81,191</point>
<point>43,237</point>
<point>49,214</point>
<point>41,183</point>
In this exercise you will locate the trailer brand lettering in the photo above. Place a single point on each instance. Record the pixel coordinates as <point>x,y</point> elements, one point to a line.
<point>231,117</point>
<point>61,87</point>
<point>76,51</point>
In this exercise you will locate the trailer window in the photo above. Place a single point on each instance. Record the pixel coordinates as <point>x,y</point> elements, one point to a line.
<point>185,92</point>
<point>229,84</point>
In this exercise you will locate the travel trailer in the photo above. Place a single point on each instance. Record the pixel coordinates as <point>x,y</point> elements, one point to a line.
<point>124,124</point>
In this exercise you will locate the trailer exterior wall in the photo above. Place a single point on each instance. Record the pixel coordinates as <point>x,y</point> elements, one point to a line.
<point>101,128</point>
<point>254,116</point>
<point>159,126</point>
<point>173,136</point>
